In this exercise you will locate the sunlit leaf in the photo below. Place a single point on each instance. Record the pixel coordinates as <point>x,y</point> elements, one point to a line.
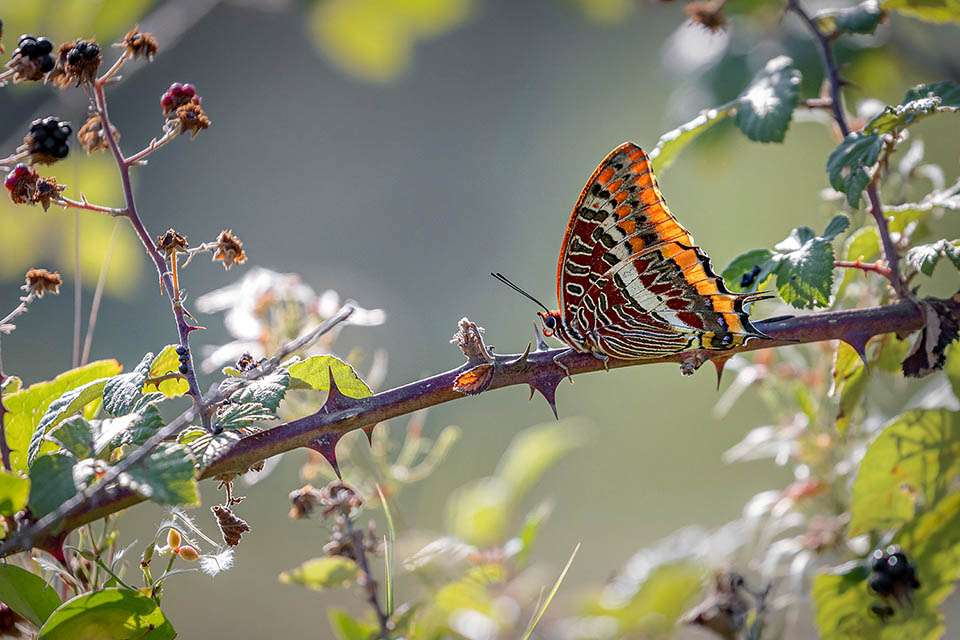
<point>908,466</point>
<point>75,436</point>
<point>673,141</point>
<point>235,416</point>
<point>925,257</point>
<point>346,627</point>
<point>108,613</point>
<point>929,10</point>
<point>849,381</point>
<point>947,91</point>
<point>14,491</point>
<point>765,107</point>
<point>167,361</point>
<point>27,593</point>
<point>52,483</point>
<point>165,477</point>
<point>268,391</point>
<point>122,391</point>
<point>314,373</point>
<point>322,573</point>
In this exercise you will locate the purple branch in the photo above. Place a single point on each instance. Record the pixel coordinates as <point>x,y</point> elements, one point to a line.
<point>836,82</point>
<point>183,329</point>
<point>536,369</point>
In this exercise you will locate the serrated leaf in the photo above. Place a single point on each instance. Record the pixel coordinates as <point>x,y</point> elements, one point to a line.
<point>313,373</point>
<point>122,391</point>
<point>748,271</point>
<point>208,447</point>
<point>14,492</point>
<point>929,10</point>
<point>75,436</point>
<point>165,477</point>
<point>805,276</point>
<point>925,257</point>
<point>862,18</point>
<point>137,428</point>
<point>848,163</point>
<point>267,391</point>
<point>837,225</point>
<point>765,108</point>
<point>235,416</point>
<point>108,613</point>
<point>27,593</point>
<point>947,91</point>
<point>673,141</point>
<point>322,573</point>
<point>28,406</point>
<point>52,483</point>
<point>167,361</point>
<point>67,404</point>
<point>910,464</point>
<point>897,117</point>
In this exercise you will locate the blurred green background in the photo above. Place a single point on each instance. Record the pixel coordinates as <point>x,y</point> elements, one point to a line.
<point>399,151</point>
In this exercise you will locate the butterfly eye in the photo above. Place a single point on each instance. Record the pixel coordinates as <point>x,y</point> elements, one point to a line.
<point>550,322</point>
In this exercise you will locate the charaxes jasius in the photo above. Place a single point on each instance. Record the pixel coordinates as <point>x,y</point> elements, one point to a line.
<point>631,282</point>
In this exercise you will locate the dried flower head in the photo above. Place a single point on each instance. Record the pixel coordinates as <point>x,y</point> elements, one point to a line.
<point>91,135</point>
<point>140,45</point>
<point>339,497</point>
<point>171,241</point>
<point>192,118</point>
<point>47,191</point>
<point>304,500</point>
<point>41,281</point>
<point>708,13</point>
<point>77,63</point>
<point>231,525</point>
<point>21,182</point>
<point>229,249</point>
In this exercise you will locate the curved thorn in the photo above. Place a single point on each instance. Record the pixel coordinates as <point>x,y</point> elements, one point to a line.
<point>547,386</point>
<point>521,358</point>
<point>858,340</point>
<point>326,445</point>
<point>336,401</point>
<point>719,364</point>
<point>369,432</point>
<point>541,343</point>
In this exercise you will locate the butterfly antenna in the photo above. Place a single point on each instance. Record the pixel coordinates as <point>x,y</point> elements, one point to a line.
<point>502,278</point>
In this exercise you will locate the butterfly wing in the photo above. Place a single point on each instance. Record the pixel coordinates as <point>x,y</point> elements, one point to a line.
<point>632,277</point>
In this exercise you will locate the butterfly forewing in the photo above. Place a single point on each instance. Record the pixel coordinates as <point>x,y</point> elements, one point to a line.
<point>630,276</point>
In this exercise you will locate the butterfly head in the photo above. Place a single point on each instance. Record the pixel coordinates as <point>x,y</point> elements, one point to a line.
<point>551,322</point>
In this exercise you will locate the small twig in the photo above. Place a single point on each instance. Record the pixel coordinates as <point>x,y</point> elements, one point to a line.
<point>102,80</point>
<point>167,376</point>
<point>818,103</point>
<point>369,583</point>
<point>98,294</point>
<point>67,203</point>
<point>836,82</point>
<point>137,159</point>
<point>876,267</point>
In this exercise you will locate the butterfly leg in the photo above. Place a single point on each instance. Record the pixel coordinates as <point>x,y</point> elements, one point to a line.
<point>605,359</point>
<point>566,370</point>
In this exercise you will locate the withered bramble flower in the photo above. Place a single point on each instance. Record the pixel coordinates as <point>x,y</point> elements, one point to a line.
<point>708,13</point>
<point>47,191</point>
<point>192,118</point>
<point>171,241</point>
<point>231,525</point>
<point>304,500</point>
<point>21,182</point>
<point>77,62</point>
<point>139,44</point>
<point>91,135</point>
<point>229,249</point>
<point>41,281</point>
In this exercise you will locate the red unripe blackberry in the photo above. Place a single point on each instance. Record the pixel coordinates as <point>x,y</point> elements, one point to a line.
<point>13,178</point>
<point>189,90</point>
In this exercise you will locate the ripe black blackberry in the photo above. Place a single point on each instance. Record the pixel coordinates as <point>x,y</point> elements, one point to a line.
<point>48,139</point>
<point>83,51</point>
<point>892,574</point>
<point>36,51</point>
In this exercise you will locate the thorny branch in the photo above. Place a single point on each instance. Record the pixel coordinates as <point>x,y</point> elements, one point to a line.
<point>536,369</point>
<point>832,71</point>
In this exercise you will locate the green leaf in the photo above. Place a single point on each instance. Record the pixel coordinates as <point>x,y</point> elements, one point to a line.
<point>313,373</point>
<point>322,573</point>
<point>947,91</point>
<point>929,10</point>
<point>898,117</point>
<point>864,245</point>
<point>51,483</point>
<point>235,416</point>
<point>346,627</point>
<point>208,447</point>
<point>75,436</point>
<point>529,531</point>
<point>765,107</point>
<point>12,384</point>
<point>748,271</point>
<point>268,390</point>
<point>952,367</point>
<point>14,491</point>
<point>862,18</point>
<point>908,466</point>
<point>167,361</point>
<point>805,276</point>
<point>837,225</point>
<point>165,477</point>
<point>673,141</point>
<point>848,164</point>
<point>133,428</point>
<point>28,406</point>
<point>934,546</point>
<point>849,381</point>
<point>27,593</point>
<point>67,404</point>
<point>109,613</point>
<point>122,392</point>
<point>536,449</point>
<point>925,257</point>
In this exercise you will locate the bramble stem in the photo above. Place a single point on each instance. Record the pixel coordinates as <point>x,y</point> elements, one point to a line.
<point>183,329</point>
<point>876,209</point>
<point>537,369</point>
<point>370,584</point>
<point>67,203</point>
<point>875,267</point>
<point>137,159</point>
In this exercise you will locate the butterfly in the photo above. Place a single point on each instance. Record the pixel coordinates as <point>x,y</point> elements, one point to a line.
<point>631,282</point>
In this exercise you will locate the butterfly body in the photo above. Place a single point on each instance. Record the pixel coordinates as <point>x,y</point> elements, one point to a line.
<point>631,282</point>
